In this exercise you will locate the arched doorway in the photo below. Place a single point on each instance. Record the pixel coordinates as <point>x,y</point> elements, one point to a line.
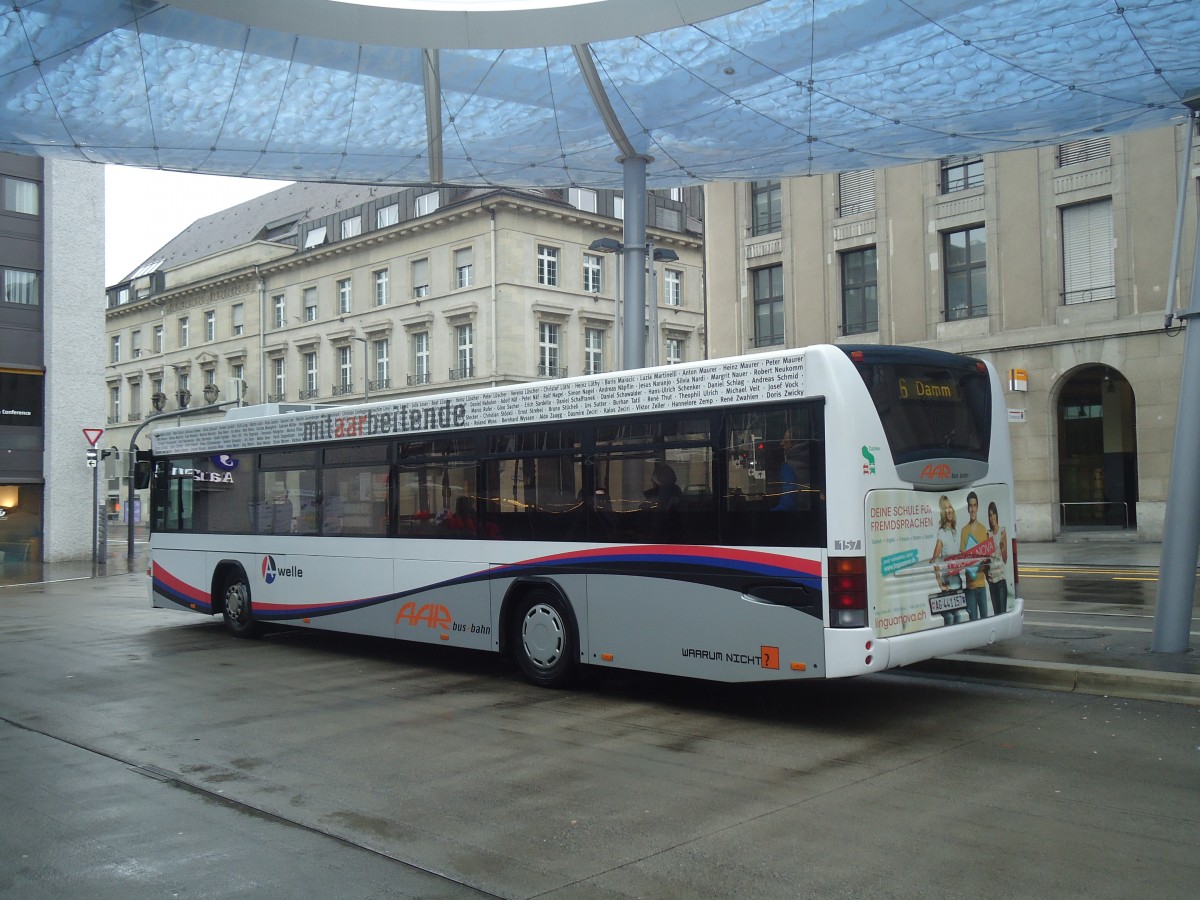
<point>1097,450</point>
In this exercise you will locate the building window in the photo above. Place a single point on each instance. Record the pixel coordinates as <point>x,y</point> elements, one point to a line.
<point>593,351</point>
<point>351,227</point>
<point>1088,266</point>
<point>768,306</point>
<point>158,339</point>
<point>135,401</point>
<point>280,311</point>
<point>345,296</point>
<point>1083,151</point>
<point>381,287</point>
<point>310,304</point>
<point>389,215</point>
<point>238,374</point>
<point>279,364</point>
<point>311,376</point>
<point>420,278</point>
<point>860,302</point>
<point>345,369</point>
<point>427,203</point>
<point>965,255</point>
<point>184,331</point>
<point>766,202</point>
<point>674,351</point>
<point>463,266</point>
<point>383,370</point>
<point>21,196</point>
<point>582,199</point>
<point>547,265</point>
<point>420,358</point>
<point>961,172</point>
<point>315,238</point>
<point>593,269</point>
<point>22,287</point>
<point>619,208</point>
<point>209,376</point>
<point>114,404</point>
<point>464,339</point>
<point>856,192</point>
<point>676,194</point>
<point>237,319</point>
<point>672,287</point>
<point>548,350</point>
<point>115,354</point>
<point>135,345</point>
<point>210,325</point>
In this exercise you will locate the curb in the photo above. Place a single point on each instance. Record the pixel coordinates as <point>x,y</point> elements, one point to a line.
<point>1131,684</point>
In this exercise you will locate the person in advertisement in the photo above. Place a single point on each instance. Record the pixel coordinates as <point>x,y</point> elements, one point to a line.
<point>974,534</point>
<point>947,536</point>
<point>997,565</point>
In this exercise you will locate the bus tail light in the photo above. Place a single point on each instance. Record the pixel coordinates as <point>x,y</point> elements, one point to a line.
<point>1015,570</point>
<point>847,592</point>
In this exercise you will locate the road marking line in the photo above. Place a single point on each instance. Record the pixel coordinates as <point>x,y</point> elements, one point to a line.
<point>1096,627</point>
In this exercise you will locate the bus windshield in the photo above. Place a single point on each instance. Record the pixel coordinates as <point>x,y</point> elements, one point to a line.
<point>931,404</point>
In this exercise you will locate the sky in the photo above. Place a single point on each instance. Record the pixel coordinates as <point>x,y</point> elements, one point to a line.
<point>146,208</point>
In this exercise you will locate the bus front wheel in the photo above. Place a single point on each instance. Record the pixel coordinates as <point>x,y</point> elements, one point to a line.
<point>544,640</point>
<point>239,617</point>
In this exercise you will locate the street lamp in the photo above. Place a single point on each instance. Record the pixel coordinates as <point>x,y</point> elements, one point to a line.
<point>630,357</point>
<point>366,367</point>
<point>1181,528</point>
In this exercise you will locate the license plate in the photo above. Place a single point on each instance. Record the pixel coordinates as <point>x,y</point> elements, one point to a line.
<point>940,603</point>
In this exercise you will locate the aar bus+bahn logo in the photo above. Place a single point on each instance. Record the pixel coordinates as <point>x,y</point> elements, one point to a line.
<point>271,571</point>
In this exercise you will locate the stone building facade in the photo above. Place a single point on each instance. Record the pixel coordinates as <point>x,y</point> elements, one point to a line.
<point>1053,264</point>
<point>322,293</point>
<point>51,386</point>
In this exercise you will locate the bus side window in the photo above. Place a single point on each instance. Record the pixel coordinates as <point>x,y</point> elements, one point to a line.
<point>775,477</point>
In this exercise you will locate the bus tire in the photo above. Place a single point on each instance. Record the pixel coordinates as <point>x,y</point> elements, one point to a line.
<point>544,640</point>
<point>236,607</point>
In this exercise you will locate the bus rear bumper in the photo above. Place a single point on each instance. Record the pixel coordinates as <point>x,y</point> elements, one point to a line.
<point>856,658</point>
<point>911,648</point>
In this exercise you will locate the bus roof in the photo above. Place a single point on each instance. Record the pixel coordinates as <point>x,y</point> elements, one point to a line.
<point>757,378</point>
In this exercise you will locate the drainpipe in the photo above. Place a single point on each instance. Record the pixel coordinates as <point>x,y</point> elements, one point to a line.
<point>495,322</point>
<point>262,336</point>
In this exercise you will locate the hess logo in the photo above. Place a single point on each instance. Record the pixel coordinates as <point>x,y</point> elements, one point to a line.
<point>270,571</point>
<point>936,473</point>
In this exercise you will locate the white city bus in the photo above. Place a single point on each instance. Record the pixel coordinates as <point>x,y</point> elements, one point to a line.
<point>812,513</point>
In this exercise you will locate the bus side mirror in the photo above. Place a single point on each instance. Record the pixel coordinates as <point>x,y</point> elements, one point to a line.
<point>142,470</point>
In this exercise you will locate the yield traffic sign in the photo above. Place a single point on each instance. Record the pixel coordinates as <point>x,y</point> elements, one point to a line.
<point>93,435</point>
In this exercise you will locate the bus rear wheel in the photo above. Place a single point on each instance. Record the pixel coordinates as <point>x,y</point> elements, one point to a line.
<point>544,640</point>
<point>239,616</point>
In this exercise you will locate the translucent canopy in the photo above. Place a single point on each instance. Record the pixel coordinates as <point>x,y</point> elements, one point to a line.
<point>707,90</point>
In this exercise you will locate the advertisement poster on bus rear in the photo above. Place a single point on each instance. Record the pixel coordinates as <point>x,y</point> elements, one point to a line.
<point>937,560</point>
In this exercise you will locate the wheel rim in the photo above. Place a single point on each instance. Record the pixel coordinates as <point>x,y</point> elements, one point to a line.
<point>236,602</point>
<point>543,635</point>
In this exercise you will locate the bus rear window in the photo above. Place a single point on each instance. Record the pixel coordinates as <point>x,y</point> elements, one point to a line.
<point>929,408</point>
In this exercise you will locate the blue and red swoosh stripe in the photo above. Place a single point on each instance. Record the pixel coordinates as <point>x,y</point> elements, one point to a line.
<point>705,565</point>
